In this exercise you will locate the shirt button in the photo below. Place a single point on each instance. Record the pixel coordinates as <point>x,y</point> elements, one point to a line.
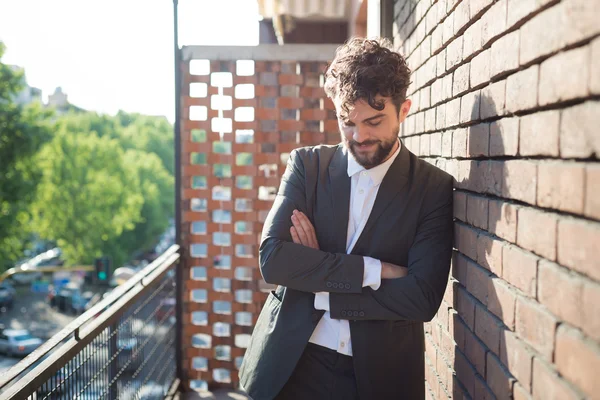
<point>361,191</point>
<point>364,173</point>
<point>342,344</point>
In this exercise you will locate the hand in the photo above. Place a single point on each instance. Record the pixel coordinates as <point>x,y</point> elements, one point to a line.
<point>392,271</point>
<point>303,231</point>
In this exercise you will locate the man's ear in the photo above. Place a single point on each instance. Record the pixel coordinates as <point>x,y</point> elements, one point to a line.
<point>404,109</point>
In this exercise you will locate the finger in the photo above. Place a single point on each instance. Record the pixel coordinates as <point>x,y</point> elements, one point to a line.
<point>295,237</point>
<point>300,230</point>
<point>308,228</point>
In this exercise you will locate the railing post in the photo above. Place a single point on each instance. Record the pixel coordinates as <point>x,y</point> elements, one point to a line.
<point>113,366</point>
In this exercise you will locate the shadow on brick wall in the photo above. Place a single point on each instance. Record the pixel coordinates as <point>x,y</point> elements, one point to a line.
<point>481,299</point>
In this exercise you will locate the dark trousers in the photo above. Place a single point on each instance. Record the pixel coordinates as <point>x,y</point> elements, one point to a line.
<point>321,374</point>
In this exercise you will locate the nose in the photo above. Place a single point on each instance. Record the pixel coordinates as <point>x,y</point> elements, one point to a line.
<point>360,134</point>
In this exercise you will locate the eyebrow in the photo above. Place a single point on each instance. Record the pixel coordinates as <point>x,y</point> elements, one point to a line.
<point>378,115</point>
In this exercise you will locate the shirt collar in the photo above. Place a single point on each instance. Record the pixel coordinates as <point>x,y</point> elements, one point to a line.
<point>376,173</point>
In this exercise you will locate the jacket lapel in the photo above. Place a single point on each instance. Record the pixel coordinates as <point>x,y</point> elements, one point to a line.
<point>339,182</point>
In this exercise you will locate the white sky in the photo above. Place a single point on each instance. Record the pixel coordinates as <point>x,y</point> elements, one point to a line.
<point>116,54</point>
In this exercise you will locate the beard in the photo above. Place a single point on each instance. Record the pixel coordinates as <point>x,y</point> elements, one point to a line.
<point>380,154</point>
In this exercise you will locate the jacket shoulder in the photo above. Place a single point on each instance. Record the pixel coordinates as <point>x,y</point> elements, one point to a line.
<point>313,156</point>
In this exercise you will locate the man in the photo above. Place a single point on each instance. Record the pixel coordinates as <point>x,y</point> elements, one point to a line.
<point>359,240</point>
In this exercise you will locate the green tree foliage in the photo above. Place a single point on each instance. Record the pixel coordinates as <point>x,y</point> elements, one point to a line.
<point>23,130</point>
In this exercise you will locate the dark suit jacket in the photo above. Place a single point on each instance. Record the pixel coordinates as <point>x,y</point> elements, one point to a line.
<point>410,225</point>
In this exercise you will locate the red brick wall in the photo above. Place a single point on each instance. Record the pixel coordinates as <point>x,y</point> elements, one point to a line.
<point>290,110</point>
<point>505,98</point>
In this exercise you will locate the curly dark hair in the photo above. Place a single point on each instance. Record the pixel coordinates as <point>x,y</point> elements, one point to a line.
<point>362,69</point>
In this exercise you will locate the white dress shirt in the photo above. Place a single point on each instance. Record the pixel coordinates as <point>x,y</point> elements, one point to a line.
<point>335,333</point>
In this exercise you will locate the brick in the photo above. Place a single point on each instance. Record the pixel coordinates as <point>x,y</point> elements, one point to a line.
<point>477,211</point>
<point>536,326</point>
<point>447,144</point>
<point>520,393</point>
<point>503,220</point>
<point>435,144</point>
<point>430,120</point>
<point>429,69</point>
<point>440,116</point>
<point>519,268</point>
<point>475,351</point>
<point>592,200</point>
<point>459,142</point>
<point>477,6</point>
<point>482,390</point>
<point>581,20</point>
<point>494,21</point>
<point>591,310</point>
<point>489,254</point>
<point>454,53</point>
<point>446,90</point>
<point>578,360</point>
<point>578,246</point>
<point>520,178</point>
<point>420,122</point>
<point>436,92</point>
<point>453,113</point>
<point>465,373</point>
<point>469,107</point>
<point>504,137</point>
<point>460,82</point>
<point>477,281</point>
<point>561,291</point>
<point>448,32</point>
<point>479,140</point>
<point>502,301</point>
<point>505,55</point>
<point>424,145</point>
<point>472,39</point>
<point>466,240</point>
<point>561,186</point>
<point>557,80</point>
<point>465,306</point>
<point>440,60</point>
<point>518,10</point>
<point>578,130</point>
<point>521,90</point>
<point>488,328</point>
<point>498,378</point>
<point>461,17</point>
<point>493,175</point>
<point>480,68</point>
<point>425,97</point>
<point>537,40</point>
<point>517,357</point>
<point>539,134</point>
<point>548,385</point>
<point>493,100</point>
<point>595,66</point>
<point>536,232</point>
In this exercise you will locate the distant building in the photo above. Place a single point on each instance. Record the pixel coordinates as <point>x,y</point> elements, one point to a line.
<point>58,99</point>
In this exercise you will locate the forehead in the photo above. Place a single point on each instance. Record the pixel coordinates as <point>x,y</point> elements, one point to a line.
<point>361,108</point>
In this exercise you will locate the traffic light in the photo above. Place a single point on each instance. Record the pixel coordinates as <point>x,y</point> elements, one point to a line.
<point>102,267</point>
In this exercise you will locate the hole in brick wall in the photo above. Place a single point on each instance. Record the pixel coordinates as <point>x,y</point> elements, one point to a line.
<point>242,340</point>
<point>222,284</point>
<point>223,352</point>
<point>312,103</point>
<point>198,250</point>
<point>289,67</point>
<point>243,182</point>
<point>199,182</point>
<point>222,261</point>
<point>238,362</point>
<point>199,228</point>
<point>221,147</point>
<point>199,385</point>
<point>268,102</point>
<point>222,170</point>
<point>312,80</point>
<point>289,137</point>
<point>244,250</point>
<point>200,205</point>
<point>268,147</point>
<point>222,375</point>
<point>313,126</point>
<point>199,67</point>
<point>198,158</point>
<point>221,79</point>
<point>221,125</point>
<point>200,318</point>
<point>243,227</point>
<point>290,91</point>
<point>198,273</point>
<point>244,114</point>
<point>221,329</point>
<point>202,341</point>
<point>198,89</point>
<point>284,157</point>
<point>198,113</point>
<point>222,239</point>
<point>222,307</point>
<point>243,296</point>
<point>268,170</point>
<point>199,295</point>
<point>262,216</point>
<point>267,192</point>
<point>220,102</point>
<point>244,136</point>
<point>243,318</point>
<point>221,216</point>
<point>268,78</point>
<point>243,273</point>
<point>244,91</point>
<point>243,205</point>
<point>198,135</point>
<point>268,125</point>
<point>244,67</point>
<point>200,363</point>
<point>221,193</point>
<point>243,159</point>
<point>289,114</point>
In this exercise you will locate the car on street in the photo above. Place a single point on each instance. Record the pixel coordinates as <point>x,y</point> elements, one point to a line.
<point>18,342</point>
<point>7,298</point>
<point>69,298</point>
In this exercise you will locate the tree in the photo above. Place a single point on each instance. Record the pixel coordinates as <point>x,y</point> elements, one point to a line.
<point>23,130</point>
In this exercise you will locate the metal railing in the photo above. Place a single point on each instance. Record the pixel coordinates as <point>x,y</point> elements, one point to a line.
<point>124,347</point>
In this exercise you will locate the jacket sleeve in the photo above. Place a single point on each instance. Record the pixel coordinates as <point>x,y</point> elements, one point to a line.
<point>417,296</point>
<point>298,267</point>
